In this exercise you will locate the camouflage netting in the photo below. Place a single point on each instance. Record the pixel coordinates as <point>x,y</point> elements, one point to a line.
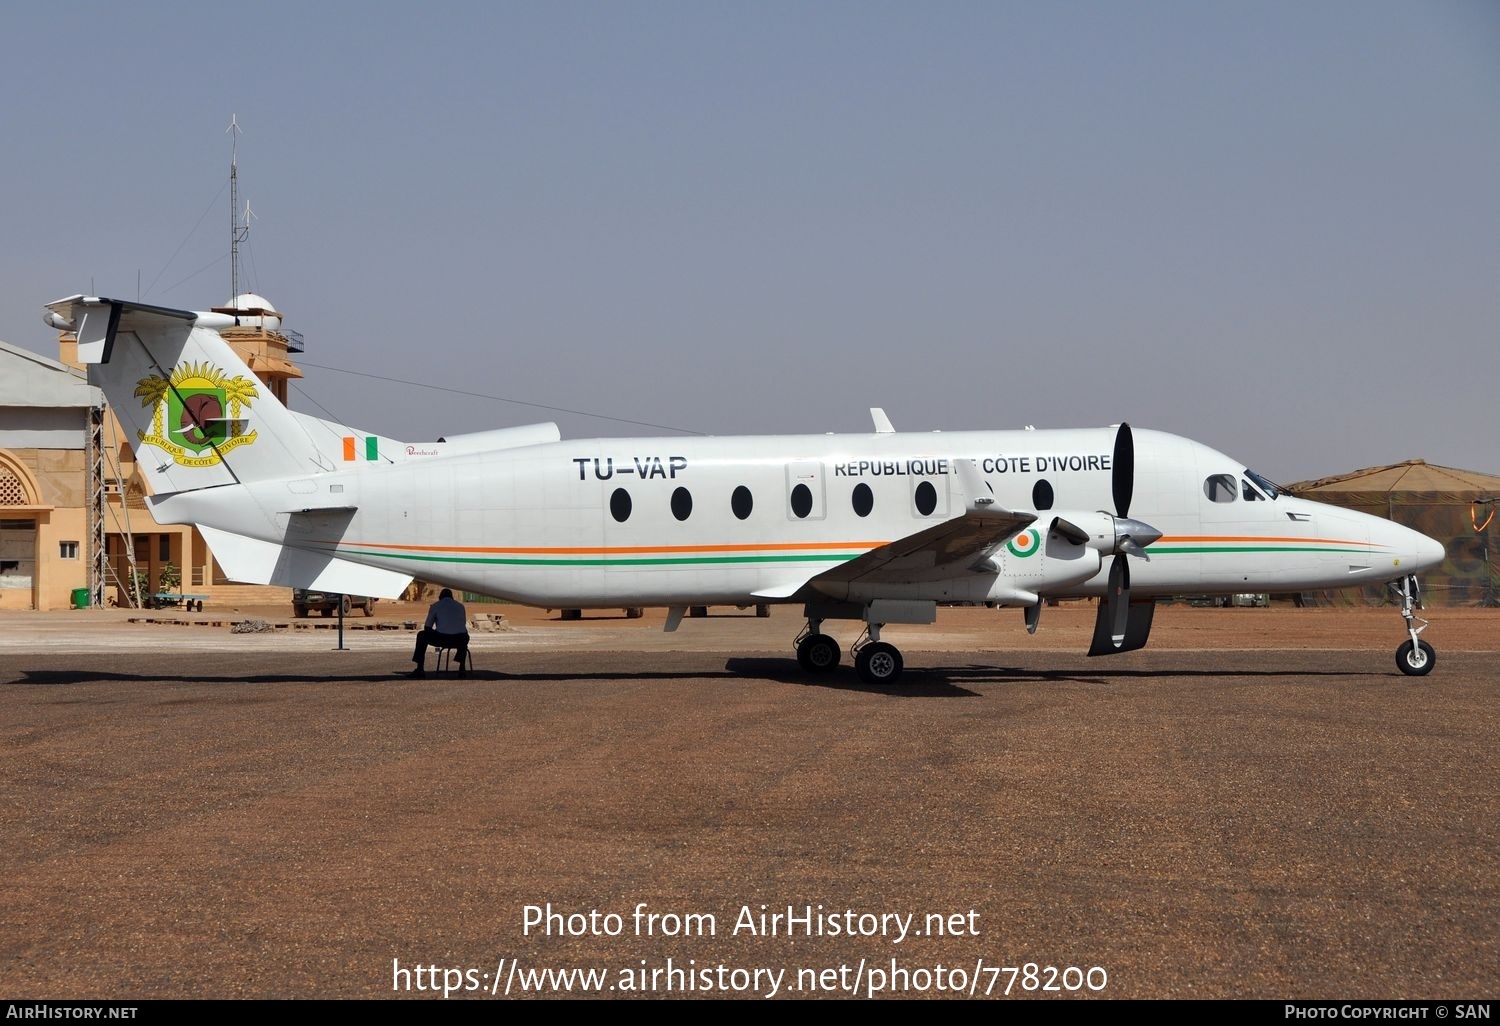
<point>1457,507</point>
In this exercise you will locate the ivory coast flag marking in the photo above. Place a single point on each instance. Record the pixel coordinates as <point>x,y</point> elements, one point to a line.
<point>352,447</point>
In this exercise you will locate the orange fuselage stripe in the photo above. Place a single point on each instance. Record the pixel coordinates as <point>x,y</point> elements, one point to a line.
<point>1261,538</point>
<point>575,550</point>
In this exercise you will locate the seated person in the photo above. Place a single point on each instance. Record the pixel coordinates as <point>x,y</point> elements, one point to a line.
<point>447,626</point>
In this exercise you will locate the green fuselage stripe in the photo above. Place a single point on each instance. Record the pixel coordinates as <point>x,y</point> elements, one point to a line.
<point>824,557</point>
<point>835,557</point>
<point>1161,550</point>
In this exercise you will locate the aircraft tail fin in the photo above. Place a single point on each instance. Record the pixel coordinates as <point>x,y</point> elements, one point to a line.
<point>196,414</point>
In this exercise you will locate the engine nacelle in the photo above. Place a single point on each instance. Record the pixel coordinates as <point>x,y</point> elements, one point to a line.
<point>1044,559</point>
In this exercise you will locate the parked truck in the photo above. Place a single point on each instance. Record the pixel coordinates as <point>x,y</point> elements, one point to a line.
<point>304,601</point>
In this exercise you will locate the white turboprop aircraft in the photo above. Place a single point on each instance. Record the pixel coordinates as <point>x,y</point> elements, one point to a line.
<point>877,527</point>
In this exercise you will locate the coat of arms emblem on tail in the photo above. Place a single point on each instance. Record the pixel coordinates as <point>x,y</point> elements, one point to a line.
<point>197,413</point>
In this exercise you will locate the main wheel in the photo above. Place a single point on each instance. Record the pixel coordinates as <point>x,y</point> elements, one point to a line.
<point>878,663</point>
<point>1416,662</point>
<point>818,653</point>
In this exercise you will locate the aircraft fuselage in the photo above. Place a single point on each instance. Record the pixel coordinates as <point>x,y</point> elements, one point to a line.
<point>666,521</point>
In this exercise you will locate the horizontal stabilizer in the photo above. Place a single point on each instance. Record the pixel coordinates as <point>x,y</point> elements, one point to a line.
<point>252,561</point>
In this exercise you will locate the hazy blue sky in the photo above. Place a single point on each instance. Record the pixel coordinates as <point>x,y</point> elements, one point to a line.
<point>1274,227</point>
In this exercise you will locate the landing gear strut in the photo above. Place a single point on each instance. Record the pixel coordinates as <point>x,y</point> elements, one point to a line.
<point>1415,657</point>
<point>876,661</point>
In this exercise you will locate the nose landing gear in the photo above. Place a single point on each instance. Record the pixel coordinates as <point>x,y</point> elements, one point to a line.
<point>1415,657</point>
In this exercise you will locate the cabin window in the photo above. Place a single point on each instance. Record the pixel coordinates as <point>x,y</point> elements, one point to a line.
<point>863,499</point>
<point>1041,495</point>
<point>926,498</point>
<point>1220,488</point>
<point>801,501</point>
<point>742,502</point>
<point>682,504</point>
<point>619,505</point>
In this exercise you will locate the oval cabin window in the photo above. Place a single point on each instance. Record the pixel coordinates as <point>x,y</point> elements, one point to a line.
<point>801,501</point>
<point>863,499</point>
<point>619,505</point>
<point>926,498</point>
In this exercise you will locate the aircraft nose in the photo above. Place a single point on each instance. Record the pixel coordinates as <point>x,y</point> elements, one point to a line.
<point>1429,553</point>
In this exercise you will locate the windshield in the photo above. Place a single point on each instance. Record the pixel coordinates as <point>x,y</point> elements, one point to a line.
<point>1265,484</point>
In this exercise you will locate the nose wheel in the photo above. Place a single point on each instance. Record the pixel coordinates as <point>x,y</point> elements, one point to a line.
<point>1416,660</point>
<point>1415,657</point>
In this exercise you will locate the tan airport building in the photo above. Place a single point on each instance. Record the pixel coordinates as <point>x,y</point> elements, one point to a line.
<point>70,490</point>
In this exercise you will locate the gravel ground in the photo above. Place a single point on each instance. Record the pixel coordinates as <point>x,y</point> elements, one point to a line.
<point>1257,805</point>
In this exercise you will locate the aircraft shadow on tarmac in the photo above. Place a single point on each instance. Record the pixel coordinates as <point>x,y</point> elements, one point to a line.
<point>950,681</point>
<point>916,682</point>
<point>63,677</point>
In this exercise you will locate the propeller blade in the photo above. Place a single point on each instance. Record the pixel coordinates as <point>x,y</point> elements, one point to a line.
<point>1033,616</point>
<point>1122,481</point>
<point>1119,599</point>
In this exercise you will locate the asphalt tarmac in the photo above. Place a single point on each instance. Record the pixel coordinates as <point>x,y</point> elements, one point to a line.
<point>191,813</point>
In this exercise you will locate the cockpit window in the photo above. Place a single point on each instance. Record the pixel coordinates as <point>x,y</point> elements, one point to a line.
<point>1221,488</point>
<point>1271,490</point>
<point>1248,491</point>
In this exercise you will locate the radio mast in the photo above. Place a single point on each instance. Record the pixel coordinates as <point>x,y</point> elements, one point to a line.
<point>238,229</point>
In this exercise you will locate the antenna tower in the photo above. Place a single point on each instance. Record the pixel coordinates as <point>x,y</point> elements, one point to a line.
<point>239,229</point>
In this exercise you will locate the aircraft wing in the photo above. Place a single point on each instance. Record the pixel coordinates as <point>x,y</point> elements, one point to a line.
<point>944,550</point>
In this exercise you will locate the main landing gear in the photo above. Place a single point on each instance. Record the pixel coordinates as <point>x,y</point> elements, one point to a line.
<point>816,651</point>
<point>876,661</point>
<point>1415,657</point>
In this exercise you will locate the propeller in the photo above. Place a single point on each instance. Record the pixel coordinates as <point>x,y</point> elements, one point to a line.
<point>1131,536</point>
<point>1122,484</point>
